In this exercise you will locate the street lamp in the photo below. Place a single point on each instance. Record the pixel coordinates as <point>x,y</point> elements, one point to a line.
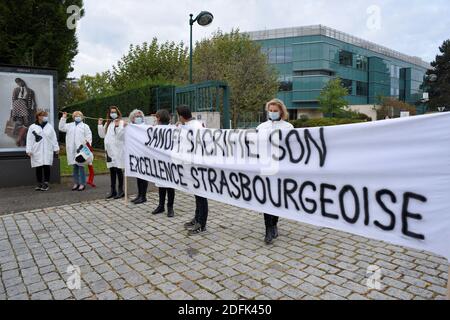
<point>204,19</point>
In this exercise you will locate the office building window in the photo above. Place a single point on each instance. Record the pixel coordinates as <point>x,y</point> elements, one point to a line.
<point>361,63</point>
<point>288,54</point>
<point>280,54</point>
<point>346,58</point>
<point>362,88</point>
<point>313,73</point>
<point>285,83</point>
<point>272,52</point>
<point>348,84</point>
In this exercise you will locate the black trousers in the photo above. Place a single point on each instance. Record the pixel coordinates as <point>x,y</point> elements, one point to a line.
<point>43,174</point>
<point>170,195</point>
<point>201,211</point>
<point>142,187</point>
<point>270,221</point>
<point>116,174</point>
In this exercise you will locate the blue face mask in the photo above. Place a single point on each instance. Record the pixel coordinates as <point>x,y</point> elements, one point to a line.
<point>45,119</point>
<point>78,119</point>
<point>138,120</point>
<point>113,115</point>
<point>274,116</point>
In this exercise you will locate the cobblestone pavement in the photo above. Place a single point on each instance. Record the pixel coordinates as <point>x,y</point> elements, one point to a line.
<point>126,253</point>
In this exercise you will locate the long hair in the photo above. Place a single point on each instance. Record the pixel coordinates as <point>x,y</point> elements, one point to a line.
<point>283,109</point>
<point>108,117</point>
<point>21,80</point>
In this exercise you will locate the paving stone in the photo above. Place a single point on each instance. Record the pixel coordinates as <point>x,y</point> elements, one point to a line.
<point>126,254</point>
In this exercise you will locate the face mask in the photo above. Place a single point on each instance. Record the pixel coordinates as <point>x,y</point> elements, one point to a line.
<point>113,116</point>
<point>45,119</point>
<point>78,119</point>
<point>274,116</point>
<point>138,120</point>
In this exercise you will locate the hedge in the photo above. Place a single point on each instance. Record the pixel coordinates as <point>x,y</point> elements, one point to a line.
<point>146,98</point>
<point>323,122</point>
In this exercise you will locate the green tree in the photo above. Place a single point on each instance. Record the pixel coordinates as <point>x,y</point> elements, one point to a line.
<point>150,62</point>
<point>331,99</point>
<point>36,33</point>
<point>70,92</point>
<point>440,89</point>
<point>237,60</point>
<point>98,85</point>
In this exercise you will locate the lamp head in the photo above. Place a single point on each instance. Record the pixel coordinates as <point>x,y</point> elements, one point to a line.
<point>204,18</point>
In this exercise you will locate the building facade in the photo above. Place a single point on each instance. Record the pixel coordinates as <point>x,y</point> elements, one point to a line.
<point>308,57</point>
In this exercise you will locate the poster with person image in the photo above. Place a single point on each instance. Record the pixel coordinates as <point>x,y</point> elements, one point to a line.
<point>23,92</point>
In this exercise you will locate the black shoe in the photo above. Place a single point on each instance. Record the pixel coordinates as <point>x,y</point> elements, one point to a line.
<point>158,210</point>
<point>275,232</point>
<point>120,195</point>
<point>45,187</point>
<point>75,187</point>
<point>269,236</point>
<point>190,224</point>
<point>170,212</point>
<point>197,229</point>
<point>135,199</point>
<point>112,194</point>
<point>38,188</point>
<point>140,200</point>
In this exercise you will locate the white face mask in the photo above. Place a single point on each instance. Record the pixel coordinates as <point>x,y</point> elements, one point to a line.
<point>274,116</point>
<point>78,119</point>
<point>45,119</point>
<point>138,120</point>
<point>113,115</point>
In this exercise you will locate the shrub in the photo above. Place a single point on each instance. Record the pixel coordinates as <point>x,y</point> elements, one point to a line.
<point>323,122</point>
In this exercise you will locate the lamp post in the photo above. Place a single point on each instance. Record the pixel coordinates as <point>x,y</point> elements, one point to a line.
<point>204,19</point>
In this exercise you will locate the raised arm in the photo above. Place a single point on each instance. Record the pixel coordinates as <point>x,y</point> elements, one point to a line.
<point>101,129</point>
<point>63,123</point>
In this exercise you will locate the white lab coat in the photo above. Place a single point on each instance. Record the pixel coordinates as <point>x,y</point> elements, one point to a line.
<point>275,125</point>
<point>76,135</point>
<point>114,143</point>
<point>42,151</point>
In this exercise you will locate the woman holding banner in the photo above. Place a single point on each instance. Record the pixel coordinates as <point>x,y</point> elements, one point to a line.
<point>113,133</point>
<point>137,117</point>
<point>77,134</point>
<point>277,115</point>
<point>163,118</point>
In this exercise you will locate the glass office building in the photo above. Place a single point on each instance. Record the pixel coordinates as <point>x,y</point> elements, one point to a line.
<point>308,57</point>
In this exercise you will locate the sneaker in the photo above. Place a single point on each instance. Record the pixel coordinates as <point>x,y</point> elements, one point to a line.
<point>75,187</point>
<point>197,229</point>
<point>190,224</point>
<point>45,187</point>
<point>38,188</point>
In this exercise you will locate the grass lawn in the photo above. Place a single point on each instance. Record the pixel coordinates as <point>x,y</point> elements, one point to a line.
<point>66,170</point>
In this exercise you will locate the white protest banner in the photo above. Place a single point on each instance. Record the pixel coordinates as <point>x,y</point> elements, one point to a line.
<point>386,180</point>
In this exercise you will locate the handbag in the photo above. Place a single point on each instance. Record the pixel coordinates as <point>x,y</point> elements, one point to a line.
<point>10,129</point>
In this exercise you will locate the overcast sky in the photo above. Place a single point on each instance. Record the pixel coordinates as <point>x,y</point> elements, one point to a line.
<point>413,27</point>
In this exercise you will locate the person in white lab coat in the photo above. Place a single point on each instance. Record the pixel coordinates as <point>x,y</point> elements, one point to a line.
<point>77,133</point>
<point>113,133</point>
<point>277,115</point>
<point>42,144</point>
<point>137,117</point>
<point>198,224</point>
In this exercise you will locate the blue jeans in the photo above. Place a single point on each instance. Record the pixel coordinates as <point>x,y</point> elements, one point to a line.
<point>79,176</point>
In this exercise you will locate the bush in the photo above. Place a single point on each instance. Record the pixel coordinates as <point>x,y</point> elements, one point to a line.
<point>146,98</point>
<point>323,122</point>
